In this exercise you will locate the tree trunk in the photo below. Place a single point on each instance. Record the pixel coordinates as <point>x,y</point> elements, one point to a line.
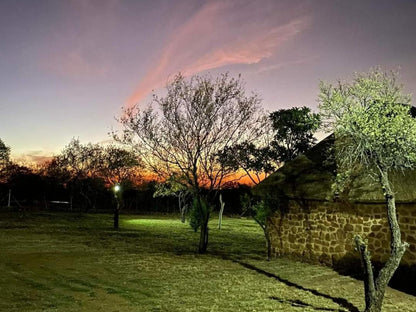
<point>268,243</point>
<point>116,216</point>
<point>375,288</point>
<point>222,205</point>
<point>203,238</point>
<point>182,206</point>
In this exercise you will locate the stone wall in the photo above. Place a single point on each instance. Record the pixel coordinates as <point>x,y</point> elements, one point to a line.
<point>324,231</point>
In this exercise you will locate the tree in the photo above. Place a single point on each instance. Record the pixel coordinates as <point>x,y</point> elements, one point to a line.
<point>288,133</point>
<point>119,167</point>
<point>194,121</point>
<point>82,163</point>
<point>260,211</point>
<point>256,162</point>
<point>175,186</point>
<point>373,129</point>
<point>4,157</point>
<point>4,153</point>
<point>293,132</point>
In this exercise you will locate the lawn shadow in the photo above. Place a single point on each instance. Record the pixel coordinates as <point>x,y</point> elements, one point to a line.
<point>340,301</point>
<point>301,304</point>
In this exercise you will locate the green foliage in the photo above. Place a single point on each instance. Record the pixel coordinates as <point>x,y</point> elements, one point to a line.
<point>200,210</point>
<point>289,132</point>
<point>250,158</point>
<point>173,186</point>
<point>4,158</point>
<point>371,120</point>
<point>293,131</point>
<point>374,128</point>
<point>4,153</point>
<point>259,209</point>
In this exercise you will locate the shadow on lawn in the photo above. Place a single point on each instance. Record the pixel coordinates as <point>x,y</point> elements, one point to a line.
<point>341,301</point>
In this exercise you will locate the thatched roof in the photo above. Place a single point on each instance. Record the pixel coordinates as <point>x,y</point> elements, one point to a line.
<point>310,177</point>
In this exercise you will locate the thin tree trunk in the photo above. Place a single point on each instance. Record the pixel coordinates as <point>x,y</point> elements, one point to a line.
<point>222,204</point>
<point>268,243</point>
<point>203,238</point>
<point>116,215</point>
<point>182,206</point>
<point>375,288</point>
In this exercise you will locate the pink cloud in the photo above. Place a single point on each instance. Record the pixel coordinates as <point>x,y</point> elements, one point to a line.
<point>222,33</point>
<point>276,66</point>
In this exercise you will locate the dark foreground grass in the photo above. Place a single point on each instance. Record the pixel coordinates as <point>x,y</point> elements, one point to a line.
<point>71,262</point>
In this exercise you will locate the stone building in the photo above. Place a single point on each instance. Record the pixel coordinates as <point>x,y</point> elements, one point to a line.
<point>314,224</point>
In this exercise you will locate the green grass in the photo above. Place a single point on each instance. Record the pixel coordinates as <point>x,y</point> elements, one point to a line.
<point>71,262</point>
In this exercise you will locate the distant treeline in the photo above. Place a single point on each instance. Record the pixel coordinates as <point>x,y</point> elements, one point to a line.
<point>31,190</point>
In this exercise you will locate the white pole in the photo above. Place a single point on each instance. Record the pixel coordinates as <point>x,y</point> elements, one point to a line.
<point>10,196</point>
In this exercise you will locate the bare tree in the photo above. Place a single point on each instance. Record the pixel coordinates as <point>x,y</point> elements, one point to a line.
<point>183,132</point>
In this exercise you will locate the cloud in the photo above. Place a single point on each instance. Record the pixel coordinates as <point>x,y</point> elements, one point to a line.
<point>33,158</point>
<point>276,66</point>
<point>223,33</point>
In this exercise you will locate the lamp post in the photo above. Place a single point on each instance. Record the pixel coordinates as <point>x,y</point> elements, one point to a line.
<point>117,191</point>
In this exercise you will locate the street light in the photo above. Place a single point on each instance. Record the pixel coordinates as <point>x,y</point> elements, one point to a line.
<point>116,189</point>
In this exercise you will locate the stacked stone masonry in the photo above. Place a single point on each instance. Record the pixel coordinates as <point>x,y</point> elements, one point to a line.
<point>324,232</point>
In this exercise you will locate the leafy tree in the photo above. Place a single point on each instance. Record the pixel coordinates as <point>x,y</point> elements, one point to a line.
<point>82,164</point>
<point>118,165</point>
<point>293,132</point>
<point>4,153</point>
<point>260,211</point>
<point>79,159</point>
<point>4,158</point>
<point>86,168</point>
<point>193,122</point>
<point>27,185</point>
<point>256,162</point>
<point>374,129</point>
<point>288,134</point>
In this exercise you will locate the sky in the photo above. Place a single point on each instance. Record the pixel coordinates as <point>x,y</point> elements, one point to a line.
<point>68,67</point>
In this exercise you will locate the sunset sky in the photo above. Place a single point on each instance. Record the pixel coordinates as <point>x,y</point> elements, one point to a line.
<point>68,67</point>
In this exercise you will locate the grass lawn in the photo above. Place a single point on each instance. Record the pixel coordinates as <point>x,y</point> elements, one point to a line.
<point>71,262</point>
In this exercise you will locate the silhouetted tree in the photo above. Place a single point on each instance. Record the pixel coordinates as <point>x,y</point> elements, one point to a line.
<point>4,158</point>
<point>196,120</point>
<point>288,134</point>
<point>119,167</point>
<point>294,130</point>
<point>82,163</point>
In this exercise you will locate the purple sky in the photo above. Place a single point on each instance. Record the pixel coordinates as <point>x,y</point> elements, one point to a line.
<point>67,67</point>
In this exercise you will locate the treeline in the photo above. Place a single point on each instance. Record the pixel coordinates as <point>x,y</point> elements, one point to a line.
<point>82,178</point>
